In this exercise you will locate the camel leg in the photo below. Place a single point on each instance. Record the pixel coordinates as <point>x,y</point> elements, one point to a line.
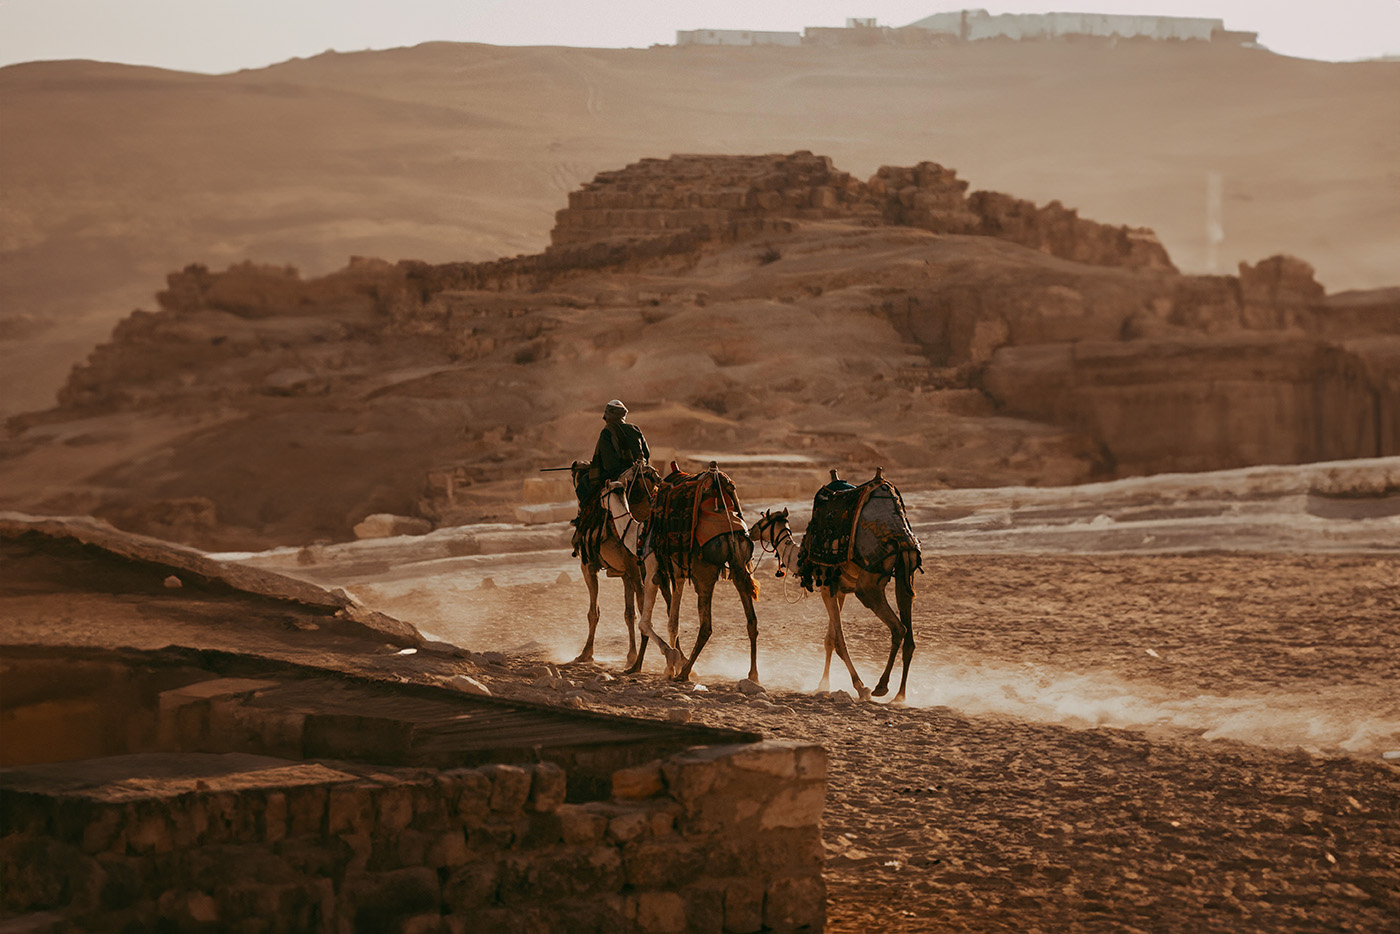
<point>703,575</point>
<point>648,605</point>
<point>833,614</point>
<point>648,602</point>
<point>743,582</point>
<point>632,593</point>
<point>650,588</point>
<point>871,592</point>
<point>836,638</point>
<point>675,658</point>
<point>590,577</point>
<point>904,596</point>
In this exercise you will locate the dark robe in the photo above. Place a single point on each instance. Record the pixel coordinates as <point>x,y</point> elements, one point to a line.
<point>619,446</point>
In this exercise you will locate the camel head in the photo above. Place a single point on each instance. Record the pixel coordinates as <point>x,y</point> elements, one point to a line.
<point>578,472</point>
<point>769,527</point>
<point>640,482</point>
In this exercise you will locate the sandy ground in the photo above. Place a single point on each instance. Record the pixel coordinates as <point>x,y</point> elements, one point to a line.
<point>1049,774</point>
<point>1100,736</point>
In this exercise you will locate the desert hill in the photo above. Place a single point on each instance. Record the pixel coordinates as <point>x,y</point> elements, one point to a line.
<point>448,152</point>
<point>774,312</point>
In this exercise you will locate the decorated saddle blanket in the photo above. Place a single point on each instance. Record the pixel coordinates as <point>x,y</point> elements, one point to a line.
<point>690,510</point>
<point>590,529</point>
<point>862,524</point>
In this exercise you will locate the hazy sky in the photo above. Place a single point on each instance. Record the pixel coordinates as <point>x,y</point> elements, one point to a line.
<point>224,35</point>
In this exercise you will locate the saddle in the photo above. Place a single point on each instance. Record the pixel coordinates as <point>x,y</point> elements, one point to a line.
<point>690,510</point>
<point>861,525</point>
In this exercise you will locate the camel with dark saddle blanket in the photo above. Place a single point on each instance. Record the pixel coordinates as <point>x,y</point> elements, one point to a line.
<point>859,525</point>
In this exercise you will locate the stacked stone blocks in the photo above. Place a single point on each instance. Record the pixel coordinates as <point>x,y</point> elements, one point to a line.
<point>228,829</point>
<point>691,192</point>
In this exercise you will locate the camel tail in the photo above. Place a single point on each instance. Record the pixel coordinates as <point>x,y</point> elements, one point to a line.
<point>908,563</point>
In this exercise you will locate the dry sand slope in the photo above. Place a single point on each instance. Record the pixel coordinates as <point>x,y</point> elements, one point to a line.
<point>116,175</point>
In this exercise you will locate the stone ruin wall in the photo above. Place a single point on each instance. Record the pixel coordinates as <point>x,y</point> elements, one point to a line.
<point>684,192</point>
<point>713,839</point>
<point>744,193</point>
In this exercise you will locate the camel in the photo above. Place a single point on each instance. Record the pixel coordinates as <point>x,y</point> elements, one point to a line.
<point>627,501</point>
<point>869,586</point>
<point>703,565</point>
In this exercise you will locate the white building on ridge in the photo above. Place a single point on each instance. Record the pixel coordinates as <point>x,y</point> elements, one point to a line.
<point>736,37</point>
<point>971,25</point>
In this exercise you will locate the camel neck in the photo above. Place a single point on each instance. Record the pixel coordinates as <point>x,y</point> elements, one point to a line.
<point>787,549</point>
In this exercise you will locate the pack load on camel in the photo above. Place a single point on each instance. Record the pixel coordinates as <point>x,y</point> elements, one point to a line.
<point>698,534</point>
<point>591,523</point>
<point>861,525</point>
<point>690,510</point>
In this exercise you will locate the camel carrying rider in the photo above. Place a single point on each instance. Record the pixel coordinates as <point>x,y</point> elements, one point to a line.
<point>620,445</point>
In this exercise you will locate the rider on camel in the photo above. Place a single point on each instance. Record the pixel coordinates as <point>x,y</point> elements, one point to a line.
<point>620,445</point>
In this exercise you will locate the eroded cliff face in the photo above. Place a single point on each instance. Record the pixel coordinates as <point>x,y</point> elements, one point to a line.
<point>740,305</point>
<point>1204,404</point>
<point>1227,372</point>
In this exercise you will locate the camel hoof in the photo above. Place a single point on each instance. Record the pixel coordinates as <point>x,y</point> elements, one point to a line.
<point>898,701</point>
<point>632,669</point>
<point>881,690</point>
<point>585,657</point>
<point>864,693</point>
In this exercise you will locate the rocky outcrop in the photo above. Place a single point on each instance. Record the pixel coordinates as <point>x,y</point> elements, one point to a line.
<point>1061,232</point>
<point>1187,405</point>
<point>773,302</point>
<point>1278,292</point>
<point>926,195</point>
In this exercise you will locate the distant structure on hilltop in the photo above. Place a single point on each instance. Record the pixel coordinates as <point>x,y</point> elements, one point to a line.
<point>736,37</point>
<point>974,25</point>
<point>971,25</point>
